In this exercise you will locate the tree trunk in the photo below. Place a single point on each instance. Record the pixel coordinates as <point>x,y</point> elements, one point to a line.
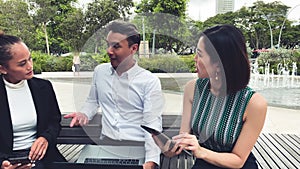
<point>46,37</point>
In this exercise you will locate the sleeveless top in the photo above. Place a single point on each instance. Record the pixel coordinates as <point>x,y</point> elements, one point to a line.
<point>217,120</point>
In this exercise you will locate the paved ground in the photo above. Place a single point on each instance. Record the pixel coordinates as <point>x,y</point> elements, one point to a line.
<point>71,96</point>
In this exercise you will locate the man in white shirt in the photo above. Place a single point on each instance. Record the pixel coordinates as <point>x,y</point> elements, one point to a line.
<point>128,95</point>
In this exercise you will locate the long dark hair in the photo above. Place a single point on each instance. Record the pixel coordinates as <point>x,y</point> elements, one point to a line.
<point>226,43</point>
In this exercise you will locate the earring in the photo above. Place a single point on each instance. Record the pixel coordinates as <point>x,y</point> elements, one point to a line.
<point>217,78</point>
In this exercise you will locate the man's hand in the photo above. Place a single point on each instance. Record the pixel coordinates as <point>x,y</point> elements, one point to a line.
<point>149,165</point>
<point>78,119</point>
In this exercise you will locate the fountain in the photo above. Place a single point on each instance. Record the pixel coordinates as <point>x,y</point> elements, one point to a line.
<point>280,89</point>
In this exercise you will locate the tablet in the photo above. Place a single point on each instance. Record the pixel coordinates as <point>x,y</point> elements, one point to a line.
<point>162,137</point>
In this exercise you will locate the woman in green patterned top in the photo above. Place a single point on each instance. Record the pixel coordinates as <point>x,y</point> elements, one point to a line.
<point>222,117</point>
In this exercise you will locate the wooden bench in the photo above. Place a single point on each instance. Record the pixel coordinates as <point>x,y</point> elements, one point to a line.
<point>271,150</point>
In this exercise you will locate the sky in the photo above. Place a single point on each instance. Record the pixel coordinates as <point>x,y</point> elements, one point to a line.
<point>203,9</point>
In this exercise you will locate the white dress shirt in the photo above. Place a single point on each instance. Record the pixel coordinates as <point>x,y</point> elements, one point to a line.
<point>127,101</point>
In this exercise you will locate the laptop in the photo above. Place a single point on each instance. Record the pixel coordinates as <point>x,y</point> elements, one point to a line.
<point>112,155</point>
<point>68,165</point>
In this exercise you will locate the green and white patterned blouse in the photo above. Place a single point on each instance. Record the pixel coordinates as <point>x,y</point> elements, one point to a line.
<point>218,120</point>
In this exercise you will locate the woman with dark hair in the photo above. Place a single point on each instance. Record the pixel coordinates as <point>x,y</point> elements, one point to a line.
<point>30,116</point>
<point>222,117</point>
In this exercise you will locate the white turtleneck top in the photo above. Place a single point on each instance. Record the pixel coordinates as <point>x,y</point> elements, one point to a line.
<point>23,114</point>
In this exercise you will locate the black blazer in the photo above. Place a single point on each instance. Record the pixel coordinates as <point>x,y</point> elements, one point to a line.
<point>48,118</point>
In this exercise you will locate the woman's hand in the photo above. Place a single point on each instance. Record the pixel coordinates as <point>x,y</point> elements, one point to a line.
<point>6,165</point>
<point>189,142</point>
<point>38,149</point>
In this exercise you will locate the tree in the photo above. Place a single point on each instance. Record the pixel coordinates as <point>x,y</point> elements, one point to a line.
<point>167,18</point>
<point>73,30</point>
<point>176,8</point>
<point>57,27</point>
<point>43,14</point>
<point>259,23</point>
<point>290,37</point>
<point>270,17</point>
<point>49,15</point>
<point>226,18</point>
<point>15,20</point>
<point>98,14</point>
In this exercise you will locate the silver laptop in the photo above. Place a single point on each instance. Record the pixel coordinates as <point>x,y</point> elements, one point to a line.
<point>112,155</point>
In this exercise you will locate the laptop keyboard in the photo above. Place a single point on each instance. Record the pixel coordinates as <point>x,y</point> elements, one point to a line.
<point>107,161</point>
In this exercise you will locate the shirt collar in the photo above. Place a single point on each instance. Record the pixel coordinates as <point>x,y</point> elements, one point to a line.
<point>129,73</point>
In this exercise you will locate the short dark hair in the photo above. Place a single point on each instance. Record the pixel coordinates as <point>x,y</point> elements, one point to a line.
<point>125,28</point>
<point>226,43</point>
<point>6,41</point>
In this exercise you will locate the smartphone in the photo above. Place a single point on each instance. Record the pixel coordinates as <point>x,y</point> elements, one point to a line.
<point>16,160</point>
<point>163,138</point>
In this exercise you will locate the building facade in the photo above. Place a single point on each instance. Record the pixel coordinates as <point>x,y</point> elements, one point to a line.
<point>223,6</point>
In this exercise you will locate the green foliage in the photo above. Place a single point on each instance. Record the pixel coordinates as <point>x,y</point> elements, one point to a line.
<point>14,20</point>
<point>261,23</point>
<point>227,18</point>
<point>189,61</point>
<point>66,28</point>
<point>45,63</point>
<point>102,57</point>
<point>168,19</point>
<point>166,64</point>
<point>176,8</point>
<point>73,30</point>
<point>87,62</point>
<point>39,61</point>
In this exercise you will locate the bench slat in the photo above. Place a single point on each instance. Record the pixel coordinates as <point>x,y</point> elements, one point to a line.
<point>173,163</point>
<point>287,149</point>
<point>274,153</point>
<point>74,155</point>
<point>165,162</point>
<point>271,150</point>
<point>292,142</point>
<point>259,158</point>
<point>181,161</point>
<point>264,155</point>
<point>72,151</point>
<point>190,160</point>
